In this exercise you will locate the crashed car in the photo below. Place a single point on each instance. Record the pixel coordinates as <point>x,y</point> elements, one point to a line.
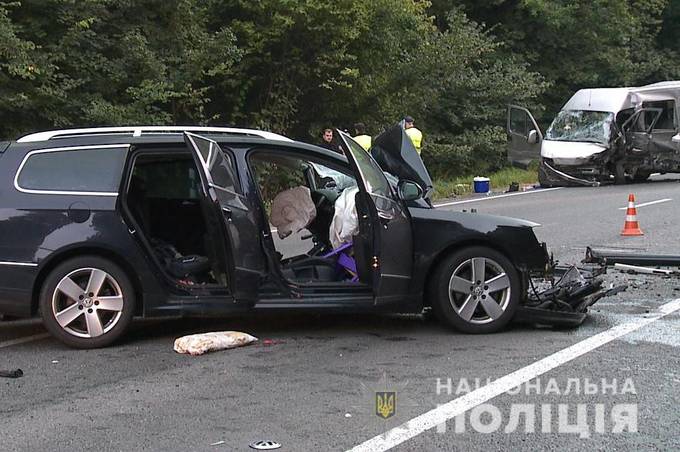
<point>101,225</point>
<point>602,135</point>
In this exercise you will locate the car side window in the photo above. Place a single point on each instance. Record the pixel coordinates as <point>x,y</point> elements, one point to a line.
<point>82,170</point>
<point>666,119</point>
<point>372,175</point>
<point>217,163</point>
<point>518,122</point>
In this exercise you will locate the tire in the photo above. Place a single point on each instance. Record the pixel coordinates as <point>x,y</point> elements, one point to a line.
<point>87,319</point>
<point>543,179</point>
<point>466,305</point>
<point>641,176</point>
<point>619,174</point>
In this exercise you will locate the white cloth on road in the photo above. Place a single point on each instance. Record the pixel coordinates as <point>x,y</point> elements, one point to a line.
<point>345,222</point>
<point>198,344</point>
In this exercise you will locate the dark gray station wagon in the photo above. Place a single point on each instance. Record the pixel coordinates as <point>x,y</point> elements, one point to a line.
<point>100,225</point>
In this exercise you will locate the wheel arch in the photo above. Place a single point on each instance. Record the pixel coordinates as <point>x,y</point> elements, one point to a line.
<point>61,256</point>
<point>457,246</point>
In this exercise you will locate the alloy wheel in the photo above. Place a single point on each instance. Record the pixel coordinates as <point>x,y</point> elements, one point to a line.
<point>479,290</point>
<point>87,303</point>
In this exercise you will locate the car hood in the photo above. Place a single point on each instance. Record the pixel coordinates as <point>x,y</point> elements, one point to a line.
<point>395,153</point>
<point>482,222</point>
<point>552,149</point>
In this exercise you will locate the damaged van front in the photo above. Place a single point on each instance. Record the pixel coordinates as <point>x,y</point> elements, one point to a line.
<point>578,148</point>
<point>601,135</point>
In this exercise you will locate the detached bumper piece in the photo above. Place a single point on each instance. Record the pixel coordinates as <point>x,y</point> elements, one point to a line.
<point>607,257</point>
<point>566,302</point>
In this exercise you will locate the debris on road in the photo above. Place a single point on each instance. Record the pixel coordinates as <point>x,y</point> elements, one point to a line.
<point>17,373</point>
<point>635,263</point>
<point>218,443</point>
<point>604,257</point>
<point>198,344</point>
<point>633,269</point>
<point>565,302</point>
<point>264,445</point>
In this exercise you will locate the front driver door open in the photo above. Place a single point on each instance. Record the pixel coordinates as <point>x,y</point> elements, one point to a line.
<point>384,248</point>
<point>232,225</point>
<point>524,137</point>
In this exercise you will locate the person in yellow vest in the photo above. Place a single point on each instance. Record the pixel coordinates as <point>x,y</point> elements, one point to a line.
<point>413,133</point>
<point>361,137</point>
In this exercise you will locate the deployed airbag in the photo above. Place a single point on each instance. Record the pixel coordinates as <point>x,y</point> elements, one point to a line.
<point>292,211</point>
<point>345,222</point>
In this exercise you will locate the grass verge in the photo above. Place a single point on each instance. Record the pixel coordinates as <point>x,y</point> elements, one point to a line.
<point>500,180</point>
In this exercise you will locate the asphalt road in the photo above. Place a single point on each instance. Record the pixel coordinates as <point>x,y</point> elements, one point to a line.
<point>314,387</point>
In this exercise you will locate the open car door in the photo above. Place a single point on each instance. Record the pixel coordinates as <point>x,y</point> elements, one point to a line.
<point>637,130</point>
<point>394,151</point>
<point>231,225</point>
<point>524,137</point>
<point>384,247</point>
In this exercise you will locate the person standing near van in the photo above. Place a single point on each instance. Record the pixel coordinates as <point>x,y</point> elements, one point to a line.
<point>413,133</point>
<point>361,137</point>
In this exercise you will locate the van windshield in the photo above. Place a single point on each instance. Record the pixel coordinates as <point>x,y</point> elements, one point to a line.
<point>580,125</point>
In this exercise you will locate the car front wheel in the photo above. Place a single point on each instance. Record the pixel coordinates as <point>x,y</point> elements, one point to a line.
<point>476,290</point>
<point>87,302</point>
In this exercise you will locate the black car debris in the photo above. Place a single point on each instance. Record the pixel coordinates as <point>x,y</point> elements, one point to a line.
<point>100,225</point>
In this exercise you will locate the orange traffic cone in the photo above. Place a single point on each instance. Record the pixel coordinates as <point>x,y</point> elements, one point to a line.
<point>631,227</point>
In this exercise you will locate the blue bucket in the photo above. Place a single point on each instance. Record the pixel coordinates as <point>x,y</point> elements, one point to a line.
<point>481,184</point>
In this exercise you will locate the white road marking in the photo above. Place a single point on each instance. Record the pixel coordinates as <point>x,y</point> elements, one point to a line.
<point>23,340</point>
<point>542,190</point>
<point>449,410</point>
<point>650,203</point>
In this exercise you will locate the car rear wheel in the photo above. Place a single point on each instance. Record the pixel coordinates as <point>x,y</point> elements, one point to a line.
<point>476,290</point>
<point>87,302</point>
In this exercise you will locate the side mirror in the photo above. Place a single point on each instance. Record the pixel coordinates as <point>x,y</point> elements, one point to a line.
<point>676,139</point>
<point>533,137</point>
<point>409,190</point>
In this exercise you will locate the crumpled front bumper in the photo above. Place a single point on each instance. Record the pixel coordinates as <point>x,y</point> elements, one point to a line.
<point>589,175</point>
<point>566,301</point>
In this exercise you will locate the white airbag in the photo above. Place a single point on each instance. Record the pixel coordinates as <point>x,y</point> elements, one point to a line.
<point>345,222</point>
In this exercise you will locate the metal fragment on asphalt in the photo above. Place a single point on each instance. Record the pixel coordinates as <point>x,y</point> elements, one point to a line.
<point>264,444</point>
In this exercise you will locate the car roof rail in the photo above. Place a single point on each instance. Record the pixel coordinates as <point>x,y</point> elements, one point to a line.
<point>137,131</point>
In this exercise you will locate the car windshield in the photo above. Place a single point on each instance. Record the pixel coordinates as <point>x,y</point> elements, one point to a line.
<point>341,180</point>
<point>580,125</point>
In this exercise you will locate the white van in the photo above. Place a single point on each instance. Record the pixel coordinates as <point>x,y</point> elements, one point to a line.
<point>602,135</point>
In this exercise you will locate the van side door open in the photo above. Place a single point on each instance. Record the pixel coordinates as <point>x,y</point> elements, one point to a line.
<point>524,136</point>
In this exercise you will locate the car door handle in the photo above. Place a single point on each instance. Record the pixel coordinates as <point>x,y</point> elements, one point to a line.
<point>385,215</point>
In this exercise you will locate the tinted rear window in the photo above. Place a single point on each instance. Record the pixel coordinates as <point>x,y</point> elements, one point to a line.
<point>75,170</point>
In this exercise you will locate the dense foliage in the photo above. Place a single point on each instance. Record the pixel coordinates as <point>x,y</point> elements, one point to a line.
<point>295,66</point>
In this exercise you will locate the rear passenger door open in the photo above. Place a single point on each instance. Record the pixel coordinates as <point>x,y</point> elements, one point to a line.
<point>234,231</point>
